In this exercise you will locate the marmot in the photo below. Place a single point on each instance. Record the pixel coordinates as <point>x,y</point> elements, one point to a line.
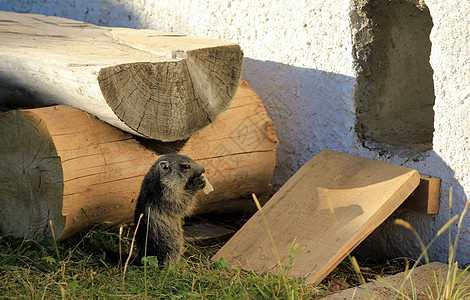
<point>168,190</point>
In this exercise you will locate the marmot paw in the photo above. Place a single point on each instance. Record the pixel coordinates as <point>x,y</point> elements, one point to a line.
<point>197,183</point>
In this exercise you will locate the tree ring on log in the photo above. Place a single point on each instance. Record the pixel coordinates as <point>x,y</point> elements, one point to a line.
<point>185,95</point>
<point>31,179</point>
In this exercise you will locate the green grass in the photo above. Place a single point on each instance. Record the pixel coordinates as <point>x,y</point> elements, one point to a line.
<point>449,286</point>
<point>79,268</point>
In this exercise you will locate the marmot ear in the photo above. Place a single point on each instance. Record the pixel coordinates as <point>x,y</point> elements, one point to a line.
<point>165,165</point>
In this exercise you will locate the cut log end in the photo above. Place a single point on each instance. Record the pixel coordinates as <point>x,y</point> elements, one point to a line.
<point>31,177</point>
<point>171,100</point>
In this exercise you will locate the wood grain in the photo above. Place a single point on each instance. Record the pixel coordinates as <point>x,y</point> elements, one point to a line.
<point>31,177</point>
<point>425,198</point>
<point>326,209</point>
<point>62,164</point>
<point>158,85</point>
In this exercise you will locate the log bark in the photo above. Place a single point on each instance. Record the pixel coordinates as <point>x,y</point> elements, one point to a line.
<point>153,84</point>
<point>62,164</point>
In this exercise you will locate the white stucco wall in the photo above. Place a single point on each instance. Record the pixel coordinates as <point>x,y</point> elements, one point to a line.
<point>299,61</point>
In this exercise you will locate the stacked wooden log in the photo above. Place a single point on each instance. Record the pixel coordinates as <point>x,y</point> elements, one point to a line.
<point>164,92</point>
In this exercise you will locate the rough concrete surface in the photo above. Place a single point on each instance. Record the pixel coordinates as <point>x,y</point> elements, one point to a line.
<point>302,59</point>
<point>421,283</point>
<point>395,94</point>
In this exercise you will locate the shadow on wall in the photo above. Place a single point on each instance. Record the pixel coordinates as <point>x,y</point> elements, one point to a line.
<point>312,110</point>
<point>391,241</point>
<point>102,13</point>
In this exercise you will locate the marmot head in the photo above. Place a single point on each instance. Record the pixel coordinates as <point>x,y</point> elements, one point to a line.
<point>179,171</point>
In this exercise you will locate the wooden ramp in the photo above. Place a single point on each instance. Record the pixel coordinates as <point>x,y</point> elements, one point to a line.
<point>327,208</point>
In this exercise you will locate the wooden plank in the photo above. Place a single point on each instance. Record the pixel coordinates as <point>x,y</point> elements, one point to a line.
<point>326,209</point>
<point>425,198</point>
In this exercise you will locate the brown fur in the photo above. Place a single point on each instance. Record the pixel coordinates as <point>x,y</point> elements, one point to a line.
<point>167,193</point>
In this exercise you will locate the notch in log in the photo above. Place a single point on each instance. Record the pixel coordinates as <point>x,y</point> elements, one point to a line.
<point>157,85</point>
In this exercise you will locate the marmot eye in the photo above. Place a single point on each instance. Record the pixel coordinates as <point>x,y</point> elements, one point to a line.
<point>186,166</point>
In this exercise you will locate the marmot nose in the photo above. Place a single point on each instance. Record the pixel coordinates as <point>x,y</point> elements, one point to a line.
<point>198,168</point>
